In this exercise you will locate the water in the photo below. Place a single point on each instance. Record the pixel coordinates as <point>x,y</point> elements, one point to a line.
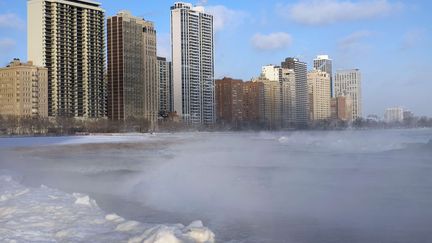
<point>350,186</point>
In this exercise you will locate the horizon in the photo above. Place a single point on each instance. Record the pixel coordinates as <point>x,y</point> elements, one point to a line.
<point>384,39</point>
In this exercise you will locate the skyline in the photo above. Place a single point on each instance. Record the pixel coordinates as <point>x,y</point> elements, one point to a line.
<point>384,39</point>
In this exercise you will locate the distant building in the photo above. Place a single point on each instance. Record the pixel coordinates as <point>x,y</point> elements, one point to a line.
<point>301,90</point>
<point>324,63</point>
<point>193,63</point>
<point>272,112</point>
<point>253,103</point>
<point>133,72</point>
<point>165,86</point>
<point>392,115</point>
<point>348,83</point>
<point>319,95</point>
<point>341,108</point>
<point>23,90</point>
<point>288,96</point>
<point>68,37</point>
<point>229,101</point>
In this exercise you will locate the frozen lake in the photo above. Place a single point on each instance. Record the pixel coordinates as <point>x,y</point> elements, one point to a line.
<point>347,186</point>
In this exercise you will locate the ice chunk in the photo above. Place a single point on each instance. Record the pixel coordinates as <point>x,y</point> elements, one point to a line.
<point>84,200</point>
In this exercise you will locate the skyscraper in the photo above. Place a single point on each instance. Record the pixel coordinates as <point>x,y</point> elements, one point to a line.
<point>193,63</point>
<point>324,63</point>
<point>133,74</point>
<point>348,83</point>
<point>165,86</point>
<point>319,94</point>
<point>301,90</point>
<point>67,37</point>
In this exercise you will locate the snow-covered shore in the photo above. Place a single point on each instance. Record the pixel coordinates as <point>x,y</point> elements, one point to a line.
<point>47,215</point>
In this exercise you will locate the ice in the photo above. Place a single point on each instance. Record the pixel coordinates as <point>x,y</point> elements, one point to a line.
<point>47,215</point>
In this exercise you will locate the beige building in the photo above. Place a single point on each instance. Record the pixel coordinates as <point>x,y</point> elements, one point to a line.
<point>133,72</point>
<point>23,90</point>
<point>319,94</point>
<point>67,37</point>
<point>272,108</point>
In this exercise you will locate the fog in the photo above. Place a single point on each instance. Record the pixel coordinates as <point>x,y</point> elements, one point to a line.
<point>347,186</point>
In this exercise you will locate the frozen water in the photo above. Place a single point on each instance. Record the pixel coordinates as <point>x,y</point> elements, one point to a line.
<point>347,186</point>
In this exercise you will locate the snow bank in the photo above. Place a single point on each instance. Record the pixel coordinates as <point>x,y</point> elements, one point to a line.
<point>45,215</point>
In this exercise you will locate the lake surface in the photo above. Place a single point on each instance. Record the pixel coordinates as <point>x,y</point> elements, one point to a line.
<point>346,186</point>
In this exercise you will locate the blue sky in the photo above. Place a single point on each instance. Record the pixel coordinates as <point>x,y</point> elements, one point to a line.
<point>388,40</point>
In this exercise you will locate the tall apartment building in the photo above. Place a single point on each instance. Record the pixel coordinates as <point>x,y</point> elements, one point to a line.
<point>348,83</point>
<point>319,94</point>
<point>394,115</point>
<point>229,101</point>
<point>133,72</point>
<point>253,103</point>
<point>288,96</point>
<point>165,86</point>
<point>301,90</point>
<point>193,63</point>
<point>272,103</point>
<point>67,37</point>
<point>23,90</point>
<point>341,108</point>
<point>325,64</point>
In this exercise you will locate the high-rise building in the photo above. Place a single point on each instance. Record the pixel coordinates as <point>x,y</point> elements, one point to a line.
<point>288,96</point>
<point>253,103</point>
<point>394,115</point>
<point>193,63</point>
<point>324,63</point>
<point>165,86</point>
<point>271,72</point>
<point>319,94</point>
<point>341,108</point>
<point>229,101</point>
<point>67,37</point>
<point>348,83</point>
<point>23,90</point>
<point>133,72</point>
<point>301,90</point>
<point>272,103</point>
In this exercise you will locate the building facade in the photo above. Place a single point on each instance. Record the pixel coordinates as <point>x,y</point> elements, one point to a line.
<point>253,103</point>
<point>165,86</point>
<point>67,37</point>
<point>229,101</point>
<point>319,95</point>
<point>23,90</point>
<point>348,83</point>
<point>193,63</point>
<point>133,72</point>
<point>392,115</point>
<point>325,64</point>
<point>301,90</point>
<point>341,108</point>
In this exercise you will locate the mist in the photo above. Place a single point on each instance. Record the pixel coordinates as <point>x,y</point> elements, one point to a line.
<point>347,186</point>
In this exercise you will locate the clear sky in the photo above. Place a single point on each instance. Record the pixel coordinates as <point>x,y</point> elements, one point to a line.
<point>389,40</point>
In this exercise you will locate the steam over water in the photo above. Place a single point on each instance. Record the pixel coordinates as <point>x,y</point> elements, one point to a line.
<point>351,186</point>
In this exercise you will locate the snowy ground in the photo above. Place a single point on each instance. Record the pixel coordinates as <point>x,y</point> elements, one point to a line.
<point>351,186</point>
<point>48,215</point>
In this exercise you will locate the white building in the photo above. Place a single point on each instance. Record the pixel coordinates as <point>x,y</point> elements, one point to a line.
<point>319,94</point>
<point>348,83</point>
<point>325,64</point>
<point>394,115</point>
<point>193,63</point>
<point>67,37</point>
<point>271,72</point>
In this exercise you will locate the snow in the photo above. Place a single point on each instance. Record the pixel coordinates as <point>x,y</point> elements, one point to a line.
<point>48,215</point>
